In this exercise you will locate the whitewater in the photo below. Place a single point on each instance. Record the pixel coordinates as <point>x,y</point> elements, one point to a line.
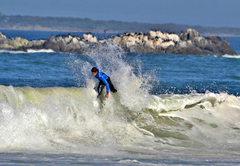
<point>169,109</point>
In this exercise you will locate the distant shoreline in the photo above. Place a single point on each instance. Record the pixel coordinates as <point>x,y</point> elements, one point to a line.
<point>58,30</point>
<point>93,31</point>
<point>69,24</point>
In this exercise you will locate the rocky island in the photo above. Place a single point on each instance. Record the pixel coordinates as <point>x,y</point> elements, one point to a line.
<point>189,42</point>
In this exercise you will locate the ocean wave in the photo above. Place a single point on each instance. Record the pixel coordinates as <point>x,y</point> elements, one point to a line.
<point>12,52</point>
<point>40,51</point>
<point>72,118</point>
<point>40,118</point>
<point>231,56</point>
<point>28,51</point>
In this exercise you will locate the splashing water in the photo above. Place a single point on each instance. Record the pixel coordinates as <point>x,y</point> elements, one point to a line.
<point>110,59</point>
<point>70,118</point>
<point>132,120</point>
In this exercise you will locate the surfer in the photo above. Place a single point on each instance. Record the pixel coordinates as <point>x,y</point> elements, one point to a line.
<point>104,80</point>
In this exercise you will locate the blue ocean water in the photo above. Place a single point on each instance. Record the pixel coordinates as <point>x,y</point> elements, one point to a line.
<point>166,109</point>
<point>172,73</point>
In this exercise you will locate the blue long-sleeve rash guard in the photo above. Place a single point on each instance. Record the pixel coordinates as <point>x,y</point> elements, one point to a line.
<point>103,77</point>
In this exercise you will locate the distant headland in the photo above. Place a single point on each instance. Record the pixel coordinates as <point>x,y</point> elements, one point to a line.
<point>188,42</point>
<point>69,24</point>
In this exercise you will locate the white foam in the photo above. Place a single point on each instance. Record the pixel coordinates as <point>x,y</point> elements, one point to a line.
<point>72,118</point>
<point>12,52</point>
<point>69,118</point>
<point>28,51</point>
<point>143,130</point>
<point>40,51</point>
<point>65,118</point>
<point>129,161</point>
<point>213,118</point>
<point>231,56</point>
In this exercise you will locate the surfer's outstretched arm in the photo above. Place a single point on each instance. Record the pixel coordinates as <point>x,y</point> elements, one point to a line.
<point>107,86</point>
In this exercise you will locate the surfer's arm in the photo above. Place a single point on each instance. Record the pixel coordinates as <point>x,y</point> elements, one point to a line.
<point>107,84</point>
<point>104,80</point>
<point>107,87</point>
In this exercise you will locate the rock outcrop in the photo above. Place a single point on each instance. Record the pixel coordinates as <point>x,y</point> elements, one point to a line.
<point>6,43</point>
<point>189,42</point>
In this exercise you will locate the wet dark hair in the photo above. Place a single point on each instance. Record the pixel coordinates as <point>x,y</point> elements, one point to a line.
<point>94,69</point>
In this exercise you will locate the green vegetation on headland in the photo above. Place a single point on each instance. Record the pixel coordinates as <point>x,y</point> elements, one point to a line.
<point>88,25</point>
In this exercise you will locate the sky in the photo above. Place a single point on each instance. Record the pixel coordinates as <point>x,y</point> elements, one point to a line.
<point>210,13</point>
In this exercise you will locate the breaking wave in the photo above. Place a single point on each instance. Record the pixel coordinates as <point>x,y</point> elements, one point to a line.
<point>231,56</point>
<point>71,118</point>
<point>28,51</point>
<point>74,118</point>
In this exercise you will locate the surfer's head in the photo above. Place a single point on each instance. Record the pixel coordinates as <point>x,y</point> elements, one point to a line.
<point>94,71</point>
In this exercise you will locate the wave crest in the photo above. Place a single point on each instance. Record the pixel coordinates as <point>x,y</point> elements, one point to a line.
<point>40,118</point>
<point>28,51</point>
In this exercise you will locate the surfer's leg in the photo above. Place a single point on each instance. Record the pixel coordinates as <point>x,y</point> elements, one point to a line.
<point>111,85</point>
<point>101,85</point>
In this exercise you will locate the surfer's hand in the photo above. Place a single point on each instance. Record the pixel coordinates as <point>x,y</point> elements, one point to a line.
<point>107,95</point>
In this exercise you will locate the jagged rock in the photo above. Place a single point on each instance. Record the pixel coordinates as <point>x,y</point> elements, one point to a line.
<point>165,45</point>
<point>189,42</point>
<point>2,36</point>
<point>19,42</point>
<point>89,38</point>
<point>35,44</point>
<point>68,39</point>
<point>185,44</point>
<point>12,43</point>
<point>74,41</point>
<point>51,43</point>
<point>173,37</point>
<point>190,34</point>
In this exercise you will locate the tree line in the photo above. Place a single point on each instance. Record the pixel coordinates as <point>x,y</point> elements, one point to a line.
<point>86,24</point>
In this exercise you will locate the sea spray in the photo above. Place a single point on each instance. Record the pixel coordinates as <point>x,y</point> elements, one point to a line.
<point>70,118</point>
<point>132,120</point>
<point>65,118</point>
<point>52,118</point>
<point>110,59</point>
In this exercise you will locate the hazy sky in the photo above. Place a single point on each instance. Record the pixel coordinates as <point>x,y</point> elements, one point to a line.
<point>193,12</point>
